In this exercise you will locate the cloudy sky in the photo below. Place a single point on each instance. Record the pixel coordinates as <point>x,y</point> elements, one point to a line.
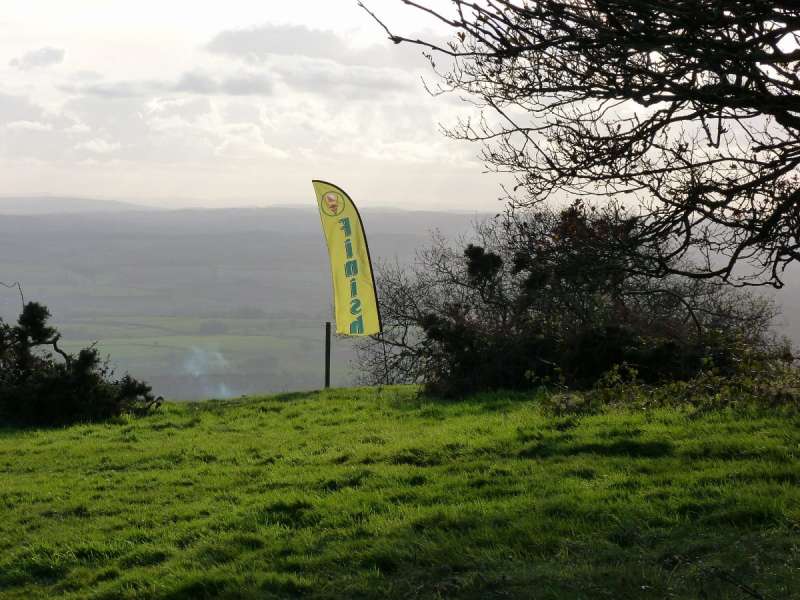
<point>239,102</point>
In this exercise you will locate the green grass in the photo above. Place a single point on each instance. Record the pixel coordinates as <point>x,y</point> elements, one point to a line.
<point>380,494</point>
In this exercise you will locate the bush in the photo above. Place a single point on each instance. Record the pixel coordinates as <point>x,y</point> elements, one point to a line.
<point>759,382</point>
<point>551,297</point>
<point>38,389</point>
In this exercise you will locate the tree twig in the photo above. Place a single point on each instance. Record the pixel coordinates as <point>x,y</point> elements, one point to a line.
<point>17,285</point>
<point>67,358</point>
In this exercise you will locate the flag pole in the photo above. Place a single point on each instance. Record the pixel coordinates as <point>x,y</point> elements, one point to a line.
<point>327,354</point>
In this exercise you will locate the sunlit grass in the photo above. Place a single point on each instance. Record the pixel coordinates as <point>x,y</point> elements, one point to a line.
<point>376,494</point>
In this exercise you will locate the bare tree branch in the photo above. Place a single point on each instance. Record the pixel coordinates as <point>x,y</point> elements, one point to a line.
<point>686,111</point>
<point>17,285</point>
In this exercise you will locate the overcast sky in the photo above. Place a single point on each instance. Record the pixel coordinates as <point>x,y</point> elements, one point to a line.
<point>239,102</point>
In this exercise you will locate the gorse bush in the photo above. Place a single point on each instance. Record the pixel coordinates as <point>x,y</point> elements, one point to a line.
<point>553,297</point>
<point>759,382</point>
<point>36,388</point>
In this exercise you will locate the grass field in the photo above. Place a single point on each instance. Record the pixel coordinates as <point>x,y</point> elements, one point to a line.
<point>382,494</point>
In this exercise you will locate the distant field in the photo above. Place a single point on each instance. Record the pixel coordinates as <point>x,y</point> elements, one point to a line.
<point>191,357</point>
<point>381,494</point>
<point>165,293</point>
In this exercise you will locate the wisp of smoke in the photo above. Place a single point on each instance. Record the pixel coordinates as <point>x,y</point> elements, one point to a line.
<point>203,364</point>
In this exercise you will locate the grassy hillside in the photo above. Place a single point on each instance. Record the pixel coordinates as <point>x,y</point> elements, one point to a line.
<point>379,494</point>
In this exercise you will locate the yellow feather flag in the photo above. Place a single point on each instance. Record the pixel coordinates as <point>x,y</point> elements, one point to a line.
<point>355,302</point>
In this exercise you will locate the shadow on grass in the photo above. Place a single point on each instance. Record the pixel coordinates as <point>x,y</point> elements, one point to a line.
<point>292,396</point>
<point>409,400</point>
<point>623,447</point>
<point>447,554</point>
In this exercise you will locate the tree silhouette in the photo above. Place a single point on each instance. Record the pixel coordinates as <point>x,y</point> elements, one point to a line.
<point>685,111</point>
<point>37,388</point>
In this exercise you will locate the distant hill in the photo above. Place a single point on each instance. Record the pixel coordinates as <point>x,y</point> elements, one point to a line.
<point>283,219</point>
<point>50,213</point>
<point>47,205</point>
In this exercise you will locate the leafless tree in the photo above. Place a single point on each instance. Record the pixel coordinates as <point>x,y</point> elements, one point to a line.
<point>436,284</point>
<point>685,111</point>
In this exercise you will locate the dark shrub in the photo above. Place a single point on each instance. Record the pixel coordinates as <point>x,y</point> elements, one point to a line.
<point>551,297</point>
<point>38,389</point>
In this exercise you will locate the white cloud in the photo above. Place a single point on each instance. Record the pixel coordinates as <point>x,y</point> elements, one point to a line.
<point>178,106</point>
<point>246,148</point>
<point>243,84</point>
<point>113,89</point>
<point>257,44</point>
<point>42,57</point>
<point>18,108</point>
<point>99,146</point>
<point>224,109</point>
<point>190,82</point>
<point>29,126</point>
<point>332,79</point>
<point>77,128</point>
